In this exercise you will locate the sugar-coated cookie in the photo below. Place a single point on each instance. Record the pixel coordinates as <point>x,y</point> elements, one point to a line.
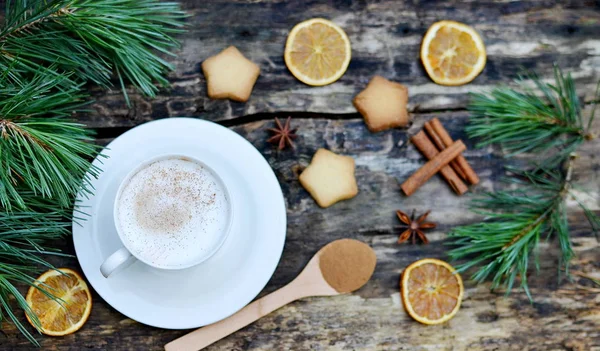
<point>329,178</point>
<point>230,75</point>
<point>383,104</point>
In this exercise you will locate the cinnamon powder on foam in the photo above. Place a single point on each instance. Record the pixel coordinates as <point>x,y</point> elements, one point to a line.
<point>347,264</point>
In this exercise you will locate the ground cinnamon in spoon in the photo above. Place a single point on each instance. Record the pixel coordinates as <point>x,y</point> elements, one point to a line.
<point>347,264</point>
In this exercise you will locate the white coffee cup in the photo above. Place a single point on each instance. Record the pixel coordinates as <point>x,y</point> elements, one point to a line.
<point>156,244</point>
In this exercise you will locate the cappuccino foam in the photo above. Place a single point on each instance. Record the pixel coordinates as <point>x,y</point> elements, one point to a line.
<point>172,213</point>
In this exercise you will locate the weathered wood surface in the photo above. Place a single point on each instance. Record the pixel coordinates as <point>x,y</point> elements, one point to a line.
<point>385,37</point>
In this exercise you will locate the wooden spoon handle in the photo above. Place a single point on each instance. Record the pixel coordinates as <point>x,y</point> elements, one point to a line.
<point>205,336</point>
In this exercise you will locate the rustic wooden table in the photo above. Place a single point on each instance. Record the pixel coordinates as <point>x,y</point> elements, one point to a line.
<point>385,38</point>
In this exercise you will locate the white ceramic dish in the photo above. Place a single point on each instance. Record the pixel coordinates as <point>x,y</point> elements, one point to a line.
<point>227,281</point>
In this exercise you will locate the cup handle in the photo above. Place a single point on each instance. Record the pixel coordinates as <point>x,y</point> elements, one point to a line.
<point>116,260</point>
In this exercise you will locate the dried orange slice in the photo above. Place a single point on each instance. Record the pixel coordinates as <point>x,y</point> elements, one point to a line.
<point>431,291</point>
<point>70,312</point>
<point>452,53</point>
<point>317,52</point>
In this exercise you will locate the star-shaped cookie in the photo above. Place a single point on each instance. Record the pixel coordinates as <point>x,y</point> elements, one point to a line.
<point>383,104</point>
<point>230,75</point>
<point>329,178</point>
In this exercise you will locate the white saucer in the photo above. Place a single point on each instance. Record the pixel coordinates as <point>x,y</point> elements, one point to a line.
<point>224,283</point>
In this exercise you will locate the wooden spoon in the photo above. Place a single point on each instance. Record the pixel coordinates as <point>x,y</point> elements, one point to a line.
<point>341,266</point>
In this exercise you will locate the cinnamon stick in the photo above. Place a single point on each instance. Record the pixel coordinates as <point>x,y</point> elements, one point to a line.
<point>432,167</point>
<point>441,146</point>
<point>423,144</point>
<point>461,162</point>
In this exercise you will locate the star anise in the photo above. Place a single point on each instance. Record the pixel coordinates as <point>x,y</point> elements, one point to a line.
<point>283,134</point>
<point>414,227</point>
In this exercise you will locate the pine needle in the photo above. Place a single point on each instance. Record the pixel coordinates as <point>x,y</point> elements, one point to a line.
<point>40,148</point>
<point>547,121</point>
<point>523,122</point>
<point>22,238</point>
<point>92,39</point>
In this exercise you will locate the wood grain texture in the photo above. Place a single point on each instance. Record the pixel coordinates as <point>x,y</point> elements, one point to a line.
<point>385,36</point>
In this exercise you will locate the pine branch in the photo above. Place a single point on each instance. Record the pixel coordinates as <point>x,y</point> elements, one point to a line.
<point>92,39</point>
<point>513,225</point>
<point>30,44</point>
<point>41,149</point>
<point>22,236</point>
<point>523,122</point>
<point>515,220</point>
